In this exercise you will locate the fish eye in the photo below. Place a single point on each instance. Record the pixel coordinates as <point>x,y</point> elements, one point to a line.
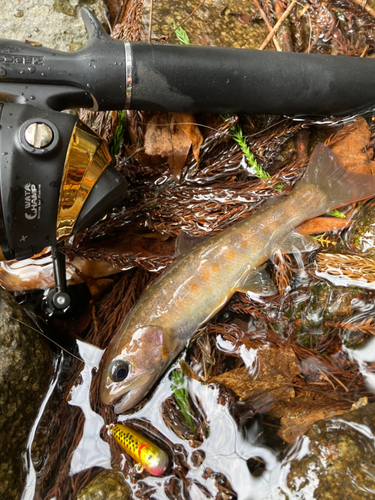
<point>118,370</point>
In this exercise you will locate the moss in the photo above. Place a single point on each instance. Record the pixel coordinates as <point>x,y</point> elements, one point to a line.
<point>338,449</point>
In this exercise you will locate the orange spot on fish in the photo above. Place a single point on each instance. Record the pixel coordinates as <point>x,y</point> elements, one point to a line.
<point>205,275</point>
<point>244,244</point>
<point>194,287</point>
<point>230,254</point>
<point>215,268</point>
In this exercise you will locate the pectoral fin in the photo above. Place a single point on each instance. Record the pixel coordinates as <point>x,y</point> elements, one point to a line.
<point>169,345</point>
<point>259,282</point>
<point>296,242</point>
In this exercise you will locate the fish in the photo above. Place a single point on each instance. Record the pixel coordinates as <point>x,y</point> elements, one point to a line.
<point>200,282</point>
<point>147,454</point>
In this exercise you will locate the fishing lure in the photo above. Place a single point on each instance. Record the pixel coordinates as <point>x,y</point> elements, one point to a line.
<point>140,448</point>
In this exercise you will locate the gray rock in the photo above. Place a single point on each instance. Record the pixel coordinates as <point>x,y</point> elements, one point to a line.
<point>55,24</point>
<point>212,24</point>
<point>25,374</point>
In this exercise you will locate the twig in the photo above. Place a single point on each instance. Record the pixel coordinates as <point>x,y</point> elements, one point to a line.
<point>284,32</point>
<point>150,21</point>
<point>184,20</point>
<point>363,4</point>
<point>278,24</point>
<point>268,24</point>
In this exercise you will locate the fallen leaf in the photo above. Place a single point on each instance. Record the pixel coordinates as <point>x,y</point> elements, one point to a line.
<point>171,135</point>
<point>297,416</point>
<point>33,273</point>
<point>191,129</point>
<point>37,272</point>
<point>188,371</point>
<point>351,149</point>
<point>97,286</point>
<point>267,383</point>
<point>323,225</point>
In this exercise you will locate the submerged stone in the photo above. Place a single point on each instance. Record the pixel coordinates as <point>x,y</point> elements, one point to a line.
<point>107,485</point>
<point>336,459</point>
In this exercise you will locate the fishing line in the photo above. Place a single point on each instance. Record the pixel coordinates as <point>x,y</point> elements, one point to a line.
<point>48,338</point>
<point>182,123</point>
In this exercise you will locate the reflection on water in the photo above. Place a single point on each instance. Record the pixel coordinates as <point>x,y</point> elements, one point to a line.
<point>29,491</point>
<point>92,451</point>
<point>226,449</point>
<point>363,356</point>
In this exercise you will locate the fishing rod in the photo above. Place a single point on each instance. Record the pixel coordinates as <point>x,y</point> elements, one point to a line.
<point>56,176</point>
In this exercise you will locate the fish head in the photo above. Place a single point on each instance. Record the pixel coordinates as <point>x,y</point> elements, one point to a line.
<point>131,369</point>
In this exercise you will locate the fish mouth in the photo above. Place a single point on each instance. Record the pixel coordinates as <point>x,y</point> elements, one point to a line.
<point>126,401</point>
<point>130,394</point>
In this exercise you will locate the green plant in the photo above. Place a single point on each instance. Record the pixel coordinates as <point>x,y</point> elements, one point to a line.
<point>237,135</point>
<point>181,35</point>
<point>323,240</point>
<point>336,213</point>
<point>119,132</point>
<point>181,396</point>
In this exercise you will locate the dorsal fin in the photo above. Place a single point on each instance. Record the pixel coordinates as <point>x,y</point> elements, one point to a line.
<point>186,243</point>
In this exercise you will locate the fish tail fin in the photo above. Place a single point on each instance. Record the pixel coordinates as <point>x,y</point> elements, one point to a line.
<point>340,186</point>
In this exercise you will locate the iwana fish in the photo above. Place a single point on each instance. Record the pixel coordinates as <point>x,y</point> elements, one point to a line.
<point>198,283</point>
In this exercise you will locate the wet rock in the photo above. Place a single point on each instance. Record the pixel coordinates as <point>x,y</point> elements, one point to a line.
<point>332,303</point>
<point>327,305</point>
<point>107,485</point>
<point>360,238</point>
<point>226,23</point>
<point>25,374</point>
<point>336,459</point>
<point>53,23</point>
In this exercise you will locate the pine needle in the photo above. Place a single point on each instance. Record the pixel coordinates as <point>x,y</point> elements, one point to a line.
<point>350,266</point>
<point>323,241</point>
<point>366,326</point>
<point>237,135</point>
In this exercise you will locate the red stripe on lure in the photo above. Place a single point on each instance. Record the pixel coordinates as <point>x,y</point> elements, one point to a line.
<point>140,448</point>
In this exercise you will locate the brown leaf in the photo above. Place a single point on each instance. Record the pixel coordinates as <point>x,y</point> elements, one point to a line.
<point>33,273</point>
<point>188,371</point>
<point>298,416</point>
<point>171,135</point>
<point>351,149</point>
<point>271,381</point>
<point>187,122</point>
<point>323,225</point>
